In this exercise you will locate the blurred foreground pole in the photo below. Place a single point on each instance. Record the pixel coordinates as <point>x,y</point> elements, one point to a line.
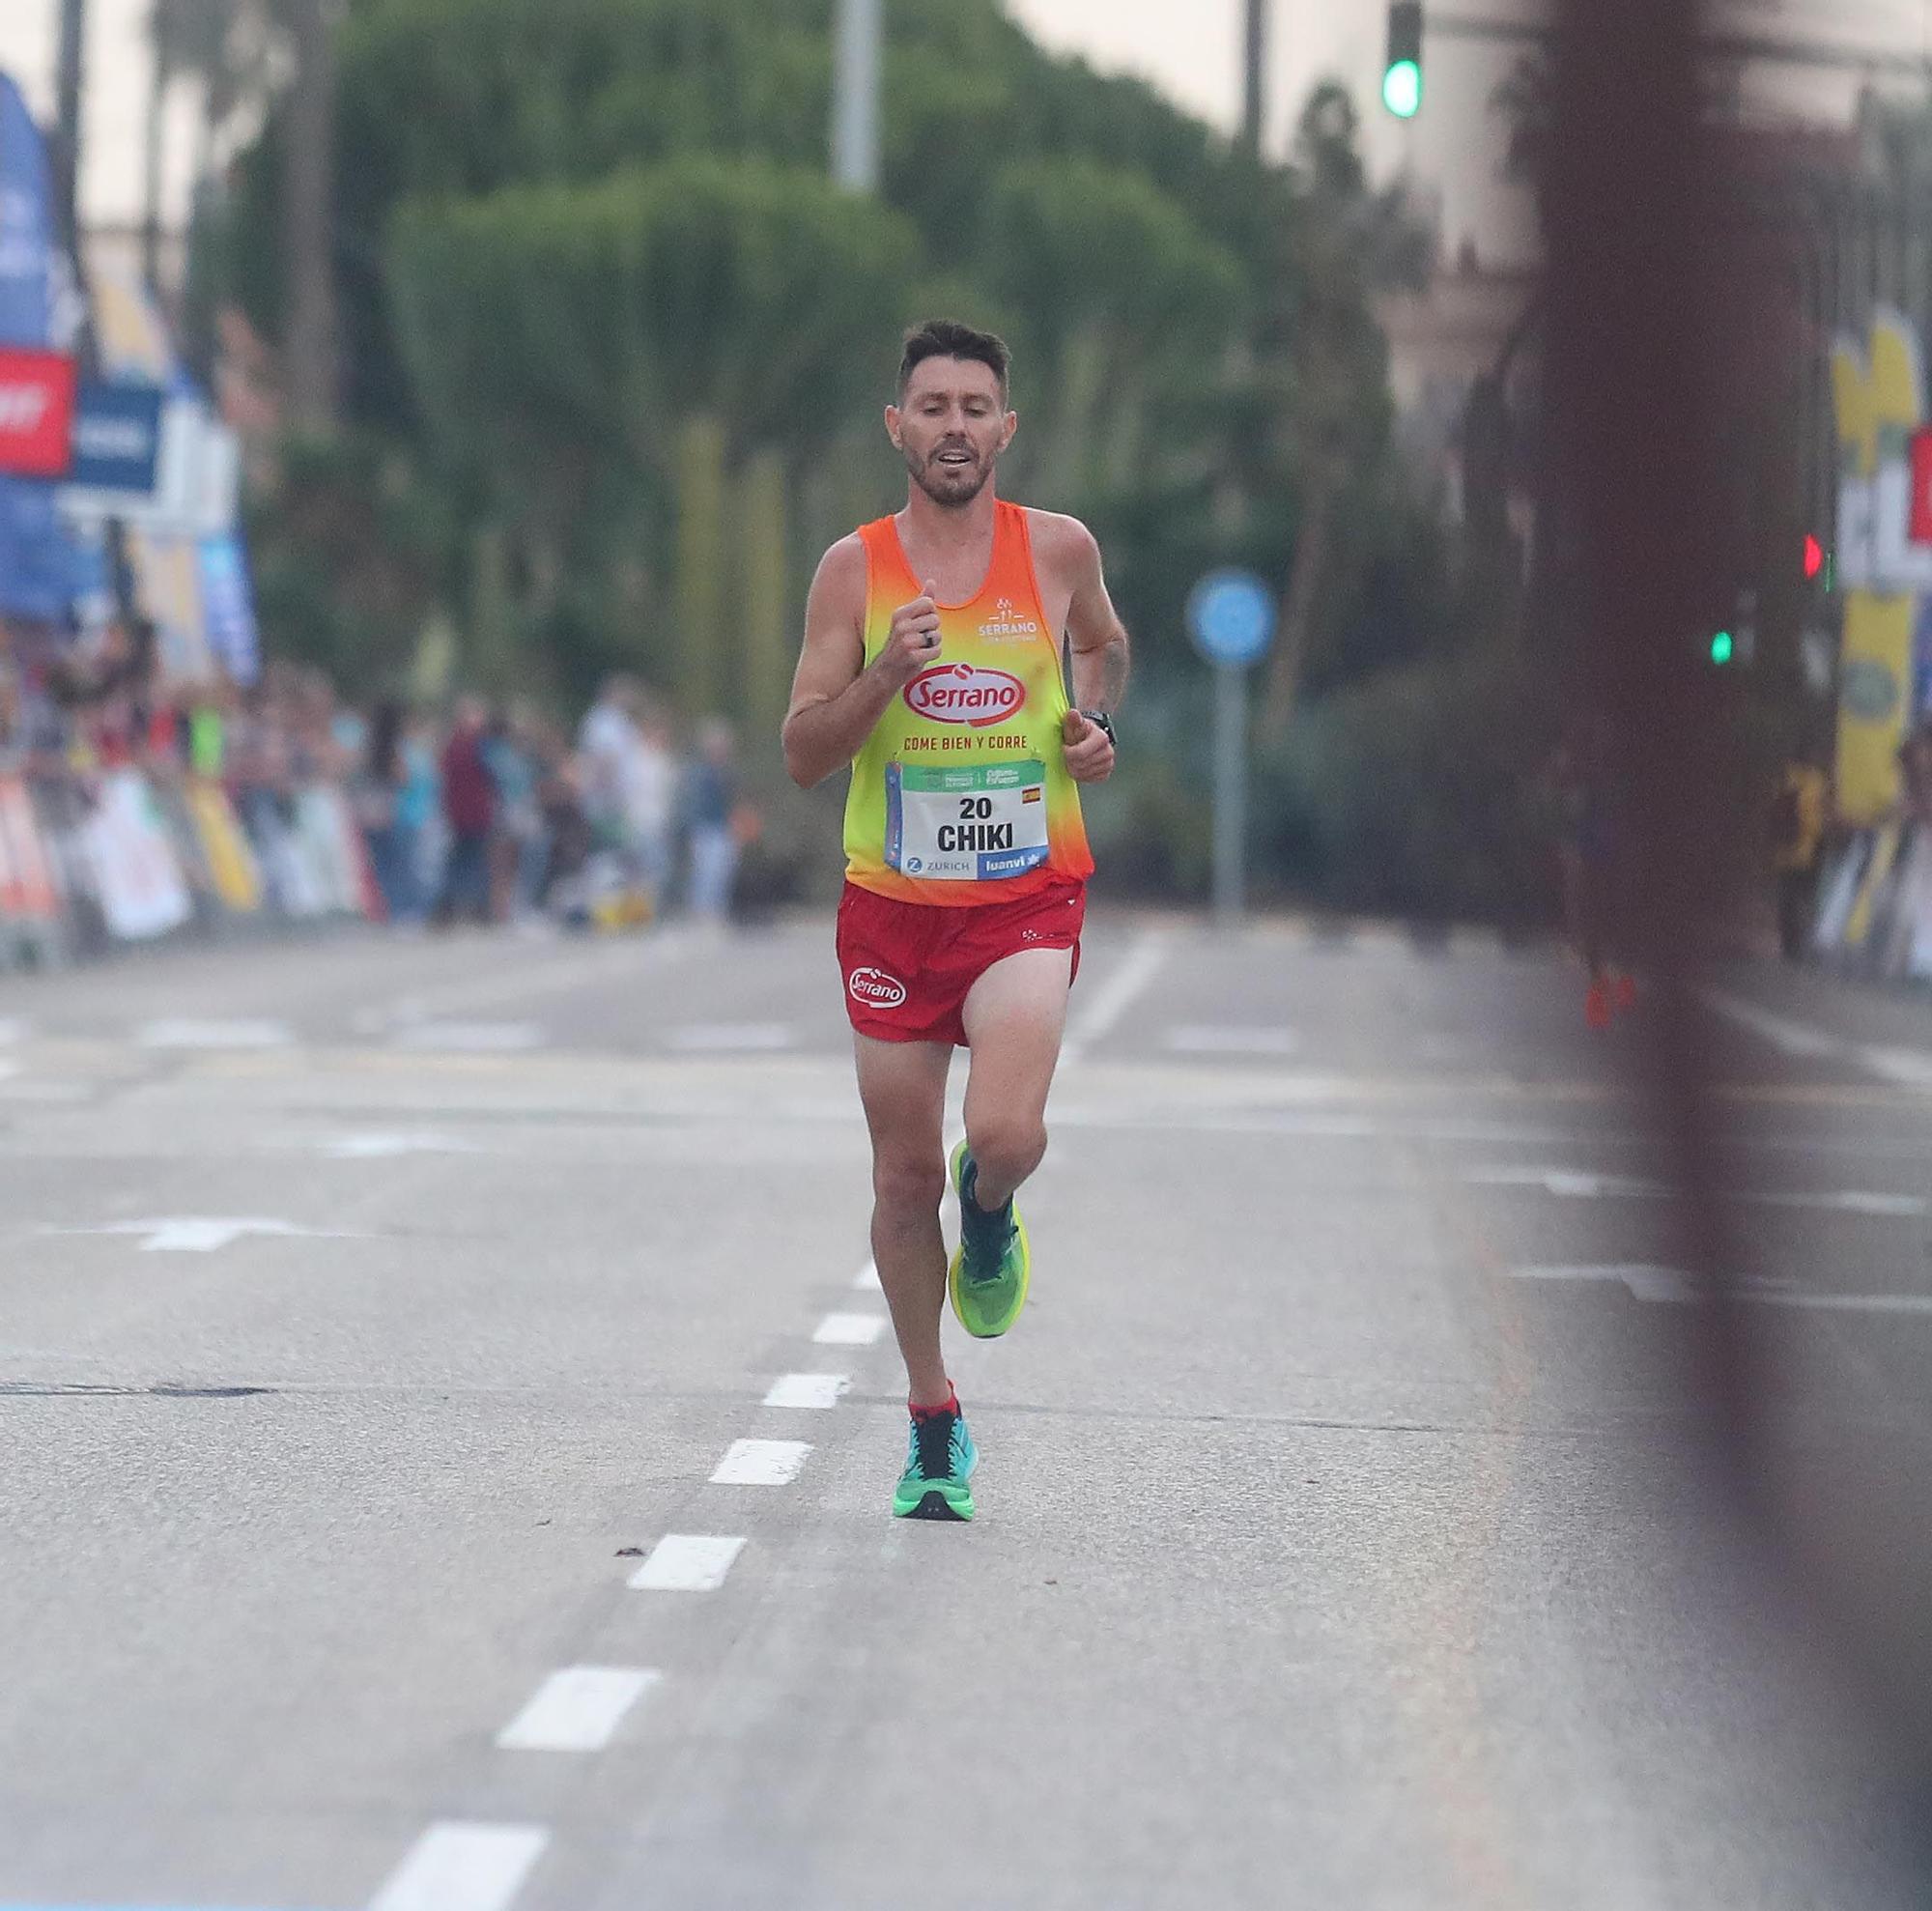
<point>1631,237</point>
<point>1253,78</point>
<point>855,96</point>
<point>67,91</point>
<point>1638,230</point>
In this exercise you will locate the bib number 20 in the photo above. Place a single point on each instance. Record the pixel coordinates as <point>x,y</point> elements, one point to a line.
<point>962,824</point>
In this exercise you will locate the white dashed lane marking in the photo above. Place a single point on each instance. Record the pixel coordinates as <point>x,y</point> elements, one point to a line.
<point>578,1709</point>
<point>688,1563</point>
<point>849,1329</point>
<point>866,1279</point>
<point>816,1391</point>
<point>761,1463</point>
<point>460,1867</point>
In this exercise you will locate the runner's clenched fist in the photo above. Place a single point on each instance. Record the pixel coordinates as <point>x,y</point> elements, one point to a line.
<point>1090,750</point>
<point>913,642</point>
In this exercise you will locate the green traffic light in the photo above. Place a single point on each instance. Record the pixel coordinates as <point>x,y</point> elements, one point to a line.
<point>1402,89</point>
<point>1721,647</point>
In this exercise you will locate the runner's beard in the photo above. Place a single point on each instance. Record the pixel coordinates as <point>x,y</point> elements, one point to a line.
<point>956,486</point>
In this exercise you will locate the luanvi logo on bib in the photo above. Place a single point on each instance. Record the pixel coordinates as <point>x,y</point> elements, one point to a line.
<point>875,988</point>
<point>965,693</point>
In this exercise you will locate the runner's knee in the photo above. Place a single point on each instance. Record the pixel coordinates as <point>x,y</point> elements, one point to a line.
<point>1005,1145</point>
<point>908,1181</point>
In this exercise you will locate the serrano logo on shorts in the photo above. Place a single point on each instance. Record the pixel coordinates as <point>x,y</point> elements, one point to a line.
<point>965,693</point>
<point>875,988</point>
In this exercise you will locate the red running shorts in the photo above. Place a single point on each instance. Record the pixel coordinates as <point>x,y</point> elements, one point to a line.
<point>908,966</point>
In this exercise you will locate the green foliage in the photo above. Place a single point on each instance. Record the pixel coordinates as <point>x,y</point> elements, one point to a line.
<point>1407,793</point>
<point>603,308</point>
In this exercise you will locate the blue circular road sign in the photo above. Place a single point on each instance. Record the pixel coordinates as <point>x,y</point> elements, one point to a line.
<point>1231,617</point>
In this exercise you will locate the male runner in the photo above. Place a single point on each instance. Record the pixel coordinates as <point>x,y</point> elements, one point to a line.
<point>932,665</point>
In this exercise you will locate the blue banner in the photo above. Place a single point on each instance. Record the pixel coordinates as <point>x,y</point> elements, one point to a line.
<point>228,607</point>
<point>42,570</point>
<point>117,438</point>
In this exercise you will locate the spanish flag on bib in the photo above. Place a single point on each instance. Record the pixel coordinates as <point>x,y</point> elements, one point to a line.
<point>960,795</point>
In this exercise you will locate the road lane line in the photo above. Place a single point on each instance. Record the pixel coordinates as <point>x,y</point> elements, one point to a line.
<point>184,1032</point>
<point>1575,1185</point>
<point>1671,1285</point>
<point>732,1038</point>
<point>1097,1016</point>
<point>761,1463</point>
<point>470,1037</point>
<point>866,1279</point>
<point>550,978</point>
<point>688,1563</point>
<point>849,1329</point>
<point>1218,1038</point>
<point>1903,1068</point>
<point>578,1709</point>
<point>461,1866</point>
<point>815,1390</point>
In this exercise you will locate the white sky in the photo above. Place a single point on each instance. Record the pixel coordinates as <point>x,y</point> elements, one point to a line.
<point>1191,48</point>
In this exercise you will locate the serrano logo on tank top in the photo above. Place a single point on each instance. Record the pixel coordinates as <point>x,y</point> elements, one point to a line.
<point>965,693</point>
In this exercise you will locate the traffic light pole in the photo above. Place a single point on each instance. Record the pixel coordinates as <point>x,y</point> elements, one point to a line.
<point>67,88</point>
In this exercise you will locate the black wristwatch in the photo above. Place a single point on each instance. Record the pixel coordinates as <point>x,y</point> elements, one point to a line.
<point>1100,719</point>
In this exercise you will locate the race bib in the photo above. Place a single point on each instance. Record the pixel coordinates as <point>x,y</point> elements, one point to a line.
<point>971,823</point>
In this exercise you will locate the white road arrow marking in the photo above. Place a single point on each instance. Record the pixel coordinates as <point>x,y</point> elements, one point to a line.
<point>197,1233</point>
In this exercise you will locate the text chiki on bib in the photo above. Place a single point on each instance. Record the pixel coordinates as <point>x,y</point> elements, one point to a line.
<point>961,794</point>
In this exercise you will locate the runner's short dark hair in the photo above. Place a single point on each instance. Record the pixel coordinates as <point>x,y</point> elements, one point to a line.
<point>948,338</point>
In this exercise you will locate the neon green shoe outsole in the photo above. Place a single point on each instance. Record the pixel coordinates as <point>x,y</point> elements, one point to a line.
<point>927,1499</point>
<point>987,1305</point>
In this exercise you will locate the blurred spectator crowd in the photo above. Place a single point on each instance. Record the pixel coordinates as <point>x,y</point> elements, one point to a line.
<point>126,810</point>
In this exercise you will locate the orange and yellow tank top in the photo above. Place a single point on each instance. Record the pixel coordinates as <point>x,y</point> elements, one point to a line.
<point>960,794</point>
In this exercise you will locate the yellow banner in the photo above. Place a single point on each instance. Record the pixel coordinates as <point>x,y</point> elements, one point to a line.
<point>231,863</point>
<point>1879,402</point>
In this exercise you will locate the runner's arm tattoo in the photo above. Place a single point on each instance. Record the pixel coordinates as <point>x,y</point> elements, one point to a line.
<point>1102,656</point>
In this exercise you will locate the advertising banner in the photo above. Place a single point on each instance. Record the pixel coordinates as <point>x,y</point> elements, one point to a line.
<point>27,889</point>
<point>37,396</point>
<point>228,606</point>
<point>231,870</point>
<point>143,893</point>
<point>116,442</point>
<point>42,571</point>
<point>1879,392</point>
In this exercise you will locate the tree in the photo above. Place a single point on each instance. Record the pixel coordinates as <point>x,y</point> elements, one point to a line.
<point>1350,242</point>
<point>582,350</point>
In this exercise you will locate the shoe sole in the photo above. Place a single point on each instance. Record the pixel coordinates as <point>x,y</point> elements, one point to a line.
<point>934,1505</point>
<point>958,1267</point>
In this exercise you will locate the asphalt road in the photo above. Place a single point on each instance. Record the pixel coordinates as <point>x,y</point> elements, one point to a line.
<point>376,1311</point>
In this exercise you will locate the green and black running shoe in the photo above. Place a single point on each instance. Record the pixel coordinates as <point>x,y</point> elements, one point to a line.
<point>940,1458</point>
<point>991,1271</point>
